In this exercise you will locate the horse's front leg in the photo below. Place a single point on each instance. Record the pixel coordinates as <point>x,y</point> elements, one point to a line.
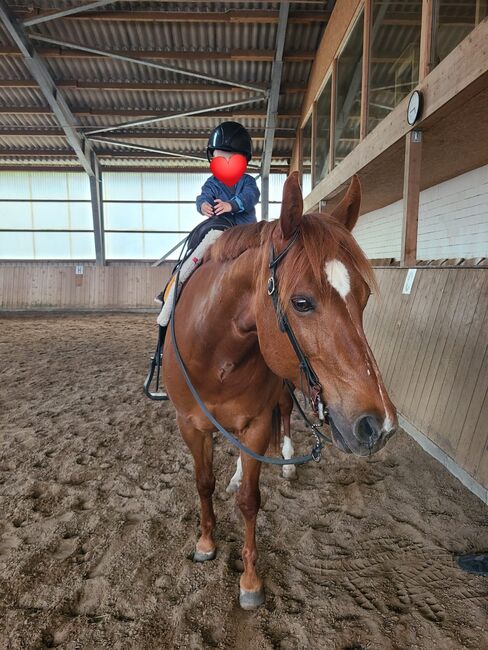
<point>201,447</point>
<point>257,438</point>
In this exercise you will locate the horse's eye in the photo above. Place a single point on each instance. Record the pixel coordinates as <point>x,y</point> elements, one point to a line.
<point>302,304</point>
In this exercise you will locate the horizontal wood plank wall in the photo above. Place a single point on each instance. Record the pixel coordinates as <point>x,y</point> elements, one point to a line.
<point>432,350</point>
<point>56,286</point>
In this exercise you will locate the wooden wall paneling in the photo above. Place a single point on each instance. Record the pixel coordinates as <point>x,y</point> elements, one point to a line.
<point>442,327</point>
<point>422,385</point>
<point>446,359</point>
<point>466,440</point>
<point>478,445</point>
<point>43,296</point>
<point>14,286</point>
<point>385,332</point>
<point>468,371</point>
<point>20,285</point>
<point>402,310</point>
<point>481,472</point>
<point>433,291</point>
<point>403,370</point>
<point>396,369</point>
<point>452,356</point>
<point>67,288</point>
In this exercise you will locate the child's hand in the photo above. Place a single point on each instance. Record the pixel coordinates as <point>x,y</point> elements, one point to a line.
<point>221,207</point>
<point>207,209</point>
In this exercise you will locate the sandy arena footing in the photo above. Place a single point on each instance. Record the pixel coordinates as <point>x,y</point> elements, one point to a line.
<point>99,517</point>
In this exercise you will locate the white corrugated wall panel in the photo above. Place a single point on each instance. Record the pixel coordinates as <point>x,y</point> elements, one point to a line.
<point>453,222</point>
<point>379,233</point>
<point>453,218</point>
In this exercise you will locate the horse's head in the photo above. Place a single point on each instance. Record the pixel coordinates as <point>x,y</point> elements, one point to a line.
<point>324,284</point>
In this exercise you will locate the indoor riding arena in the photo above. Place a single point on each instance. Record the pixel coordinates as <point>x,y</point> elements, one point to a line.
<point>123,126</point>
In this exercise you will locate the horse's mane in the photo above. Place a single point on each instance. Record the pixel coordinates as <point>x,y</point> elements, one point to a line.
<point>235,241</point>
<point>322,238</point>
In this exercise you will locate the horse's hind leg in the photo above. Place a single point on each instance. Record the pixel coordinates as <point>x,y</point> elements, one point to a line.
<point>286,407</point>
<point>249,499</point>
<point>201,447</point>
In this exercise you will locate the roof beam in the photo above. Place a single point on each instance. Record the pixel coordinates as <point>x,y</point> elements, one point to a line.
<point>137,112</point>
<point>272,112</point>
<point>221,55</point>
<point>74,84</point>
<point>143,135</point>
<point>102,153</point>
<point>66,13</point>
<point>41,74</point>
<point>233,16</point>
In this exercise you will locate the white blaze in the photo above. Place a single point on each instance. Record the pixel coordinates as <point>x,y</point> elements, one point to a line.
<point>338,276</point>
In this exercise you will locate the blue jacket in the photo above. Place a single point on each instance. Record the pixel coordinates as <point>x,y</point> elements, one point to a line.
<point>243,196</point>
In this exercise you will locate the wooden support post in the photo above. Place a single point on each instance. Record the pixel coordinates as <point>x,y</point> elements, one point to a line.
<point>480,12</point>
<point>333,112</point>
<point>411,196</point>
<point>313,143</point>
<point>363,129</point>
<point>426,41</point>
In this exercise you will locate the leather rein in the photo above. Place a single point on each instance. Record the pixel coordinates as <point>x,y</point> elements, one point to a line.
<point>306,371</point>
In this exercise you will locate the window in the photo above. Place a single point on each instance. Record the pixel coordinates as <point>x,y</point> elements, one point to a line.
<point>394,57</point>
<point>455,20</point>
<point>322,138</point>
<point>306,145</point>
<point>349,77</point>
<point>45,216</point>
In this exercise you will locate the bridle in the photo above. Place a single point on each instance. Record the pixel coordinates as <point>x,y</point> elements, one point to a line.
<point>306,371</point>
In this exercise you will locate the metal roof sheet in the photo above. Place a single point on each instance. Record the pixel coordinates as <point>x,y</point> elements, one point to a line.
<point>253,39</point>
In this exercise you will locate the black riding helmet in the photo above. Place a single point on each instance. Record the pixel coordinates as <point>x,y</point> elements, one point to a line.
<point>230,136</point>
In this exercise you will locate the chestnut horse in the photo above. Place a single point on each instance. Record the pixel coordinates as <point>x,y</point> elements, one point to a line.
<point>228,335</point>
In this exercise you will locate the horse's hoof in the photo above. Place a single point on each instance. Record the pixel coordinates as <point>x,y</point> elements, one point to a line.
<point>251,599</point>
<point>202,556</point>
<point>290,472</point>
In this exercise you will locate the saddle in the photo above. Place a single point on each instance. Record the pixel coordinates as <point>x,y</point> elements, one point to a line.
<point>186,268</point>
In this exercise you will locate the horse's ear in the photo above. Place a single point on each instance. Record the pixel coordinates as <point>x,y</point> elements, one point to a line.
<point>347,212</point>
<point>291,206</point>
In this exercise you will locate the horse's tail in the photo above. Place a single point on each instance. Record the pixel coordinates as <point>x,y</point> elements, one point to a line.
<point>276,429</point>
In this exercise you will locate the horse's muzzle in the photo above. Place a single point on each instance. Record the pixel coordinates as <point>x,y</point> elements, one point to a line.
<point>367,435</point>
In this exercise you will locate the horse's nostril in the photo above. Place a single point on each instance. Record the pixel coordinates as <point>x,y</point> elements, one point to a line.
<point>366,430</point>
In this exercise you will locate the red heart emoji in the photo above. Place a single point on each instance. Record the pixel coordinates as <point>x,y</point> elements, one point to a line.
<point>229,171</point>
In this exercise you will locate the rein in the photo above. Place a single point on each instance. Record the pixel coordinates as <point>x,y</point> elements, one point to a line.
<point>305,368</point>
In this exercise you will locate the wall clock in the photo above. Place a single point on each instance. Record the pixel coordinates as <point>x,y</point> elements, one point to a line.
<point>414,109</point>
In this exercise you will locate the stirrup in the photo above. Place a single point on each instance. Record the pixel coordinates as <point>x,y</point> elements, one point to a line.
<point>156,362</point>
<point>158,395</point>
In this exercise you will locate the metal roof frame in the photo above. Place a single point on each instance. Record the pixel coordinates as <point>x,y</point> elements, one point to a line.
<point>162,118</point>
<point>146,62</point>
<point>44,18</point>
